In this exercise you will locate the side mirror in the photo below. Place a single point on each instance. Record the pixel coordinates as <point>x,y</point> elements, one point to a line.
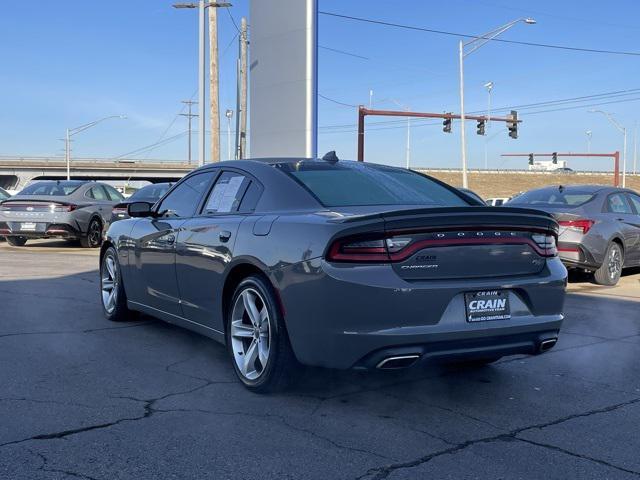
<point>139,209</point>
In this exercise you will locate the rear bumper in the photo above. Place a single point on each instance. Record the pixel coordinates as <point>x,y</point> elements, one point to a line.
<point>460,349</point>
<point>575,255</point>
<point>342,317</point>
<point>42,230</point>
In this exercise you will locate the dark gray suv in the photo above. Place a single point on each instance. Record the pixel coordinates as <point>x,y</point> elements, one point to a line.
<point>70,209</point>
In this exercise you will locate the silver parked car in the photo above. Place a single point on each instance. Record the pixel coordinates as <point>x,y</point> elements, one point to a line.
<point>336,264</point>
<point>599,226</point>
<point>70,209</point>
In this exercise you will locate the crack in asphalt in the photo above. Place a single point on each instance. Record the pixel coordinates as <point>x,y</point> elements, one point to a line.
<point>578,455</point>
<point>148,412</point>
<point>285,422</point>
<point>67,332</point>
<point>44,468</point>
<point>382,472</point>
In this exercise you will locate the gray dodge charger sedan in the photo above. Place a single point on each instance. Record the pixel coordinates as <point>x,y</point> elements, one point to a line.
<point>336,264</point>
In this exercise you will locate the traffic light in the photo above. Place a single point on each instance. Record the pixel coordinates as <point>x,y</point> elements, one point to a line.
<point>554,158</point>
<point>480,130</point>
<point>446,125</point>
<point>531,159</point>
<point>512,124</point>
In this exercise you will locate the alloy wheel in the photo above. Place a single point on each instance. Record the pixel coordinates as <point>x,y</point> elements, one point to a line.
<point>109,282</point>
<point>250,333</point>
<point>615,262</point>
<point>94,234</point>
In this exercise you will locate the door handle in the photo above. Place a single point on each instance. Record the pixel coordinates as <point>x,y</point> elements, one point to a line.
<point>225,235</point>
<point>170,239</point>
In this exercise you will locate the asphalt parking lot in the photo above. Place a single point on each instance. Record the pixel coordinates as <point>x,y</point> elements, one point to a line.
<point>83,398</point>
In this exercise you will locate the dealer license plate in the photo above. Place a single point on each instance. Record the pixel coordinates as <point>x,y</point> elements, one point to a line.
<point>487,305</point>
<point>28,227</point>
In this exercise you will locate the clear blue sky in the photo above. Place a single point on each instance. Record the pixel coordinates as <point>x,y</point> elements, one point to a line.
<point>71,62</point>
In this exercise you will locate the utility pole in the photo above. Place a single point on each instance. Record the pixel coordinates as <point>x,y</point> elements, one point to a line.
<point>589,134</point>
<point>214,80</point>
<point>242,107</point>
<point>189,116</point>
<point>67,154</point>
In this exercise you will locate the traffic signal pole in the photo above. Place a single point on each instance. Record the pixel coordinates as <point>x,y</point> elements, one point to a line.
<point>364,112</point>
<point>614,155</point>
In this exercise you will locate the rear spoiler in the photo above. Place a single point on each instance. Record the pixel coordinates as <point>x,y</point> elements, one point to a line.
<point>462,216</point>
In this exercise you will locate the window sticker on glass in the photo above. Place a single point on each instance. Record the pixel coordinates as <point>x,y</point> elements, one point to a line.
<point>223,198</point>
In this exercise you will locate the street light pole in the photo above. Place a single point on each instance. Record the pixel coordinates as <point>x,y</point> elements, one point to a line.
<point>229,114</point>
<point>74,131</point>
<point>589,133</point>
<point>474,45</point>
<point>622,130</point>
<point>489,87</point>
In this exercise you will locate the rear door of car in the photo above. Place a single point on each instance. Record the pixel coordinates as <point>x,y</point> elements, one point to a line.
<point>634,199</point>
<point>618,208</point>
<point>154,264</point>
<point>206,243</point>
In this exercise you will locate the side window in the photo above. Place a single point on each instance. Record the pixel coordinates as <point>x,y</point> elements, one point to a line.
<point>226,194</point>
<point>635,201</point>
<point>98,193</point>
<point>184,199</point>
<point>617,203</point>
<point>251,197</point>
<point>113,194</point>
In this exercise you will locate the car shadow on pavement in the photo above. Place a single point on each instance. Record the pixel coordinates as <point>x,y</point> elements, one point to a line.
<point>70,305</point>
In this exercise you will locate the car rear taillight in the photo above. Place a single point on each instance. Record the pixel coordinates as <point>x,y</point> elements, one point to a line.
<point>580,226</point>
<point>547,244</point>
<point>399,246</point>
<point>119,211</point>
<point>350,250</point>
<point>62,208</point>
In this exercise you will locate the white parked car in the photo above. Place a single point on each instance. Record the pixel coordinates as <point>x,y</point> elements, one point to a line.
<point>497,201</point>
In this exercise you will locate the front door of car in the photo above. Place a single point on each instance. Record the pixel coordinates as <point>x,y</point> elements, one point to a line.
<point>154,265</point>
<point>619,208</point>
<point>205,250</point>
<point>101,202</point>
<point>634,199</point>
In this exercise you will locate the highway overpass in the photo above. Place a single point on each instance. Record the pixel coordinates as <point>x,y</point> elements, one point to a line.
<point>16,172</point>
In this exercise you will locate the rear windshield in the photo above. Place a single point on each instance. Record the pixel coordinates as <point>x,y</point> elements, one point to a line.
<point>51,188</point>
<point>150,192</point>
<point>553,198</point>
<point>347,184</point>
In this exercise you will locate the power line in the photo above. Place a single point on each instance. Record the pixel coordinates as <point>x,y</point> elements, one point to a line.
<point>598,96</point>
<point>466,35</point>
<point>337,102</point>
<point>343,52</point>
<point>152,146</point>
<point>233,20</point>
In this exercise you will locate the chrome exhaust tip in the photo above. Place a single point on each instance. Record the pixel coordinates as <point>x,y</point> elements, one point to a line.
<point>397,362</point>
<point>547,344</point>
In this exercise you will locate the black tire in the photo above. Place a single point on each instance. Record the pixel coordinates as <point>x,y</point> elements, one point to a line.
<point>17,241</point>
<point>282,368</point>
<point>93,238</point>
<point>609,272</point>
<point>117,311</point>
